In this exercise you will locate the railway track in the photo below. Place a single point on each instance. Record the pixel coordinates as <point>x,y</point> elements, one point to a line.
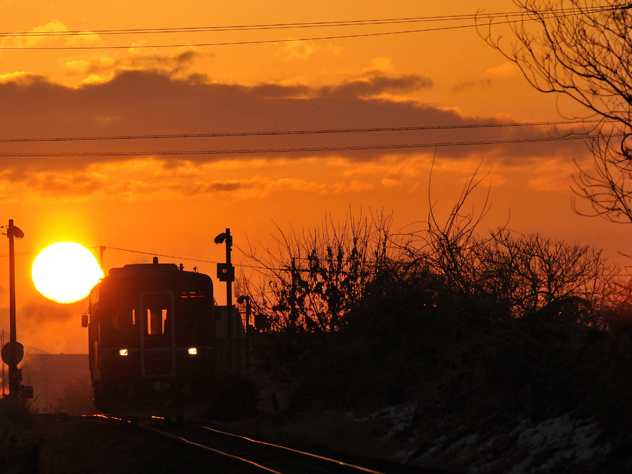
<point>253,456</point>
<point>229,453</point>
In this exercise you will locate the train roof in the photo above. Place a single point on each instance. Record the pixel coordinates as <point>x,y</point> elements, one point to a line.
<point>155,269</point>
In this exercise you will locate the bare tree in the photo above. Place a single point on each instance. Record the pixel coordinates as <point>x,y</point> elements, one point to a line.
<point>534,272</point>
<point>453,247</point>
<point>313,279</point>
<point>524,273</point>
<point>583,50</point>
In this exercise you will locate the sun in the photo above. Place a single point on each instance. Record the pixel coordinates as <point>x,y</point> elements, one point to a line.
<point>65,272</point>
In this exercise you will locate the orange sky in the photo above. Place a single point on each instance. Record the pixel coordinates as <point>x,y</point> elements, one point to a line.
<point>175,205</point>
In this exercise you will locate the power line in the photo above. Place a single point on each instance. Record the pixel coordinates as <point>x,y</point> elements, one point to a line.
<point>296,25</point>
<point>266,267</point>
<point>250,42</point>
<point>149,253</point>
<point>180,258</point>
<point>296,132</point>
<point>237,43</point>
<point>257,267</point>
<point>306,149</point>
<point>159,255</point>
<point>509,15</point>
<point>271,26</point>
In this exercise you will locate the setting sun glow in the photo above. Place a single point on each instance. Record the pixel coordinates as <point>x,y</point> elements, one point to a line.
<point>65,272</point>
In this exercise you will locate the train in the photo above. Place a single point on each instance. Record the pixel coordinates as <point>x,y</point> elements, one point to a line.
<point>152,341</point>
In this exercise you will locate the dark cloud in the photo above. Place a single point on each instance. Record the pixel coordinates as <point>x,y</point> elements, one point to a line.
<point>138,102</point>
<point>228,186</point>
<point>76,185</point>
<point>208,188</point>
<point>281,91</point>
<point>377,85</point>
<point>170,64</point>
<point>468,86</point>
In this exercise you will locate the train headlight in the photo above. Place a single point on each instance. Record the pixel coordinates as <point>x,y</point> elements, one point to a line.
<point>192,351</point>
<point>123,352</point>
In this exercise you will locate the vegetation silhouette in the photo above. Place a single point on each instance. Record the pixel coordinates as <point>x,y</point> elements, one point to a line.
<point>477,331</point>
<point>313,280</point>
<point>582,49</point>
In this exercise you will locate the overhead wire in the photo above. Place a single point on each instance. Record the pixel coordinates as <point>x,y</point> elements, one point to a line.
<point>237,43</point>
<point>271,26</point>
<point>256,267</point>
<point>508,15</point>
<point>295,25</point>
<point>158,255</point>
<point>297,132</point>
<point>243,265</point>
<point>302,149</point>
<point>180,257</point>
<point>22,254</point>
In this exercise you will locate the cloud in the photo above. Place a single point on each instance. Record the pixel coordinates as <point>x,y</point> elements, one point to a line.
<point>21,77</point>
<point>103,67</point>
<point>36,38</point>
<point>505,70</point>
<point>69,185</point>
<point>351,186</point>
<point>147,180</point>
<point>552,175</point>
<point>149,102</point>
<point>261,186</point>
<point>389,182</point>
<point>380,65</point>
<point>468,86</point>
<point>281,90</point>
<point>219,186</point>
<point>368,86</point>
<point>296,49</point>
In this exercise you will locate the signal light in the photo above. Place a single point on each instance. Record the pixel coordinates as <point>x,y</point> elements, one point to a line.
<point>123,352</point>
<point>192,351</point>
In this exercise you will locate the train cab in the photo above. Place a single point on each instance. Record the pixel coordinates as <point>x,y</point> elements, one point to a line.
<point>152,341</point>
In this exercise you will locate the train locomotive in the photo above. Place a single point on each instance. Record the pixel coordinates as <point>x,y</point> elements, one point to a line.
<point>152,341</point>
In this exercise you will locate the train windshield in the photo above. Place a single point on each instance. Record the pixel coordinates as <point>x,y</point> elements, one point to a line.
<point>158,308</point>
<point>158,340</point>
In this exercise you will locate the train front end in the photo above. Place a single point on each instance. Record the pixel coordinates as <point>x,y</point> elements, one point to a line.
<point>152,341</point>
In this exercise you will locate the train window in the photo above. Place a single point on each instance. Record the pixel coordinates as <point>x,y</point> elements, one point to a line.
<point>156,319</point>
<point>123,318</point>
<point>156,313</point>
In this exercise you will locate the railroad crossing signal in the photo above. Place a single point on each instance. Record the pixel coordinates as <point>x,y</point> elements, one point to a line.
<point>7,350</point>
<point>225,272</point>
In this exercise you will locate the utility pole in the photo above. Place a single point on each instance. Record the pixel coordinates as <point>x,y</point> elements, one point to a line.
<point>2,344</point>
<point>16,350</point>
